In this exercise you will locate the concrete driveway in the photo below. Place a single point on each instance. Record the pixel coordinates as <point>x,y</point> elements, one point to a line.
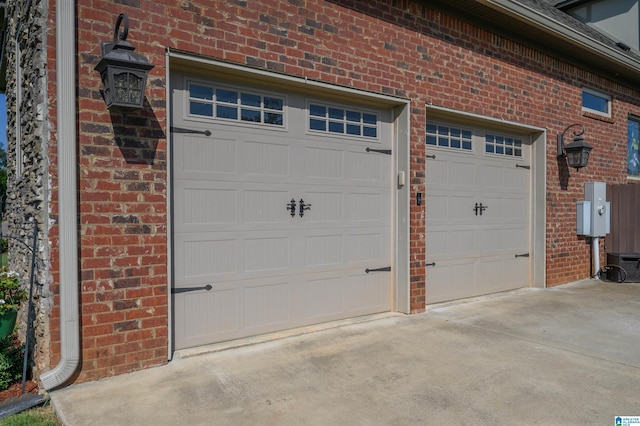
<point>560,356</point>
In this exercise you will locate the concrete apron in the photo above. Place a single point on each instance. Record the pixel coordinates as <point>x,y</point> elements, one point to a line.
<point>566,355</point>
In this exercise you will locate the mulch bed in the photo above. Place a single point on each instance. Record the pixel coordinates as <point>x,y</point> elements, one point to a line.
<point>15,389</point>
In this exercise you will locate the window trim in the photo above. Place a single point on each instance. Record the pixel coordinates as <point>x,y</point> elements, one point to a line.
<point>598,94</point>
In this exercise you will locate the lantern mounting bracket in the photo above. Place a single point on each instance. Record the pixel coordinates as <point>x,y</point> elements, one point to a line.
<point>576,152</point>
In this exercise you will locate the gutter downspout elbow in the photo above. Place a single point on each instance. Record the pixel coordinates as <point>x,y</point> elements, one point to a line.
<point>67,198</point>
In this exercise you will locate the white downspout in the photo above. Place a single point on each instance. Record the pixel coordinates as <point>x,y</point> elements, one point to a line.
<point>67,193</point>
<point>595,244</point>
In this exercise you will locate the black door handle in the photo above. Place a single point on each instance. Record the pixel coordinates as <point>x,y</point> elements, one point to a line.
<point>303,207</point>
<point>292,207</point>
<point>480,208</point>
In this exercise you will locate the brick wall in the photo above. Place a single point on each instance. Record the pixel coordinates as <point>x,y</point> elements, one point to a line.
<point>399,48</point>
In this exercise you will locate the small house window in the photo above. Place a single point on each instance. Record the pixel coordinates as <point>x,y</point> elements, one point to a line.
<point>596,102</point>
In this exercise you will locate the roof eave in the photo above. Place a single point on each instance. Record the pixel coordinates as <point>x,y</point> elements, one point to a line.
<point>533,17</point>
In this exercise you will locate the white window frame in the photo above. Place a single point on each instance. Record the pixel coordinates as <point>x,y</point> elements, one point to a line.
<point>599,95</point>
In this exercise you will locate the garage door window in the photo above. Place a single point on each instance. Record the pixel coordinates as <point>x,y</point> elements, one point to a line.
<point>502,145</point>
<point>228,104</point>
<point>329,119</point>
<point>449,137</point>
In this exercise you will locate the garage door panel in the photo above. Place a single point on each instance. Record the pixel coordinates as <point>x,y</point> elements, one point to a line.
<point>205,259</point>
<point>266,305</point>
<point>516,240</point>
<point>260,158</point>
<point>196,312</point>
<point>367,207</point>
<point>516,179</point>
<point>265,254</point>
<point>367,248</point>
<point>324,163</point>
<point>449,209</point>
<point>324,250</point>
<point>333,297</point>
<point>203,156</point>
<point>450,280</point>
<point>492,177</point>
<point>365,293</point>
<point>201,205</point>
<point>325,206</point>
<point>233,229</point>
<point>437,174</point>
<point>461,174</point>
<point>265,207</point>
<point>367,166</point>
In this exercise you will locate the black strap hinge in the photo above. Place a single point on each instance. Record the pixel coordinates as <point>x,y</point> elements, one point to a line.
<point>188,289</point>
<point>518,166</point>
<point>192,131</point>
<point>380,151</point>
<point>522,255</point>
<point>385,269</point>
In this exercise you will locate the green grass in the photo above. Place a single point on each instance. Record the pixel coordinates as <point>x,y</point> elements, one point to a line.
<point>4,259</point>
<point>39,416</point>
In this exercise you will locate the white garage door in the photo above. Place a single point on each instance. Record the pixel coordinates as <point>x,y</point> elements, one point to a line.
<point>278,211</point>
<point>477,211</point>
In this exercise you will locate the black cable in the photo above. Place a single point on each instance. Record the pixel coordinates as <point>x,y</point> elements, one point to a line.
<point>623,273</point>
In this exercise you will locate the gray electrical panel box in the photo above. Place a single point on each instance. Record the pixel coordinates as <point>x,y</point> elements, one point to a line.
<point>596,208</point>
<point>583,217</point>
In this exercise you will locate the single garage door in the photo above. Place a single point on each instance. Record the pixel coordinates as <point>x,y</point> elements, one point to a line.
<point>281,202</point>
<point>477,211</point>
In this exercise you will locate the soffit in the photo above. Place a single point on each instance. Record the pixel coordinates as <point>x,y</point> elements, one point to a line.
<point>539,24</point>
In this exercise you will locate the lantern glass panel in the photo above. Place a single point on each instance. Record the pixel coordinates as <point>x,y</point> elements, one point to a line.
<point>128,88</point>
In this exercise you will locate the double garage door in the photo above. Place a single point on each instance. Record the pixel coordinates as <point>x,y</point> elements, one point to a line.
<point>282,210</point>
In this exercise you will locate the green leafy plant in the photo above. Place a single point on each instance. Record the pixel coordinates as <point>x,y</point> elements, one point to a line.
<point>11,294</point>
<point>10,362</point>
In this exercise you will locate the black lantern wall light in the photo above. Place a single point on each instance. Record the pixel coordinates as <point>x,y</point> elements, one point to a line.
<point>576,152</point>
<point>123,71</point>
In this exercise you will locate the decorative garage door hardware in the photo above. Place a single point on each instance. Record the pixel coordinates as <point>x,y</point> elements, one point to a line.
<point>381,151</point>
<point>291,207</point>
<point>522,255</point>
<point>433,157</point>
<point>385,269</point>
<point>479,207</point>
<point>518,166</point>
<point>304,207</point>
<point>188,289</point>
<point>431,264</point>
<point>197,132</point>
